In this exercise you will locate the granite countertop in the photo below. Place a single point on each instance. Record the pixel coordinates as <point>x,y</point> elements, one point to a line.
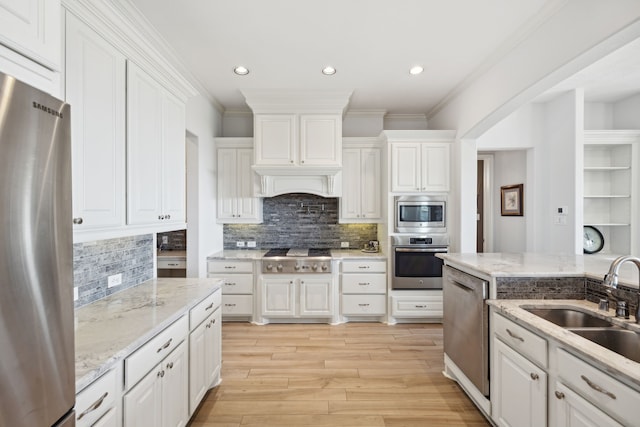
<point>110,329</point>
<point>257,254</point>
<point>612,363</point>
<point>542,265</point>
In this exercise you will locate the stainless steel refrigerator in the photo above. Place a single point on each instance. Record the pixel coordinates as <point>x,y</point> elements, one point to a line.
<point>37,375</point>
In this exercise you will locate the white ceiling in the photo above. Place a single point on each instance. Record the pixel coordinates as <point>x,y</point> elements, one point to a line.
<point>372,44</point>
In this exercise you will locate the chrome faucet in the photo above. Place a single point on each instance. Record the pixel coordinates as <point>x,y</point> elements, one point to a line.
<point>611,281</point>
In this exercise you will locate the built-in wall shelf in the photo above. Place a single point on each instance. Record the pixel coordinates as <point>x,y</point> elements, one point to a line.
<point>610,181</point>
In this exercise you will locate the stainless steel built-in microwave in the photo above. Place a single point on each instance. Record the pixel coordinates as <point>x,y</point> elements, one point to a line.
<point>416,214</point>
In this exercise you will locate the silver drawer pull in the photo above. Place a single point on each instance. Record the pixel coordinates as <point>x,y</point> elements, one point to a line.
<point>95,405</point>
<point>165,345</point>
<point>559,394</point>
<point>597,388</point>
<point>514,336</point>
<point>420,306</point>
<point>229,266</point>
<point>209,307</point>
<point>363,266</point>
<point>173,263</point>
<point>534,376</point>
<point>230,284</point>
<point>170,365</point>
<point>364,283</point>
<point>363,305</point>
<point>229,305</point>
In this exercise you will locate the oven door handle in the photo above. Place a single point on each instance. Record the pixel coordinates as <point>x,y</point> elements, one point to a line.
<point>429,250</point>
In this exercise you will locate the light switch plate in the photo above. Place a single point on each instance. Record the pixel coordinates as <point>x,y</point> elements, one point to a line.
<point>240,244</point>
<point>115,280</point>
<point>251,244</point>
<point>344,244</point>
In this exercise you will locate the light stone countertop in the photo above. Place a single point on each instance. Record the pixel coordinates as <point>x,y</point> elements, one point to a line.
<point>257,254</point>
<point>110,329</point>
<point>542,265</point>
<point>613,363</point>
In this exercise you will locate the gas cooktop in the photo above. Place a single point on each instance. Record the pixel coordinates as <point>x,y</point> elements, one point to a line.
<point>288,261</point>
<point>296,252</point>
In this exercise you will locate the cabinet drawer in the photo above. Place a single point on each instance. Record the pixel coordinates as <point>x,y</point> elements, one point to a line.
<point>419,306</point>
<point>223,266</point>
<point>204,308</point>
<point>364,305</point>
<point>96,399</point>
<point>237,305</point>
<point>172,263</point>
<point>521,339</point>
<point>605,392</point>
<point>151,353</point>
<point>236,283</point>
<point>364,283</point>
<point>366,266</point>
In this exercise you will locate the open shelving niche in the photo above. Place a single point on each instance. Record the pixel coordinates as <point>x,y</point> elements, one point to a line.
<point>611,186</point>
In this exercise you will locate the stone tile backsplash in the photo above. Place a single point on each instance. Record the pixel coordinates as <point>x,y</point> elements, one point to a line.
<point>94,262</point>
<point>176,240</point>
<point>299,221</point>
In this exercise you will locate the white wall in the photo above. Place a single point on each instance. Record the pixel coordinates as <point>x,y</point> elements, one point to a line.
<point>509,232</point>
<point>204,236</point>
<point>626,113</point>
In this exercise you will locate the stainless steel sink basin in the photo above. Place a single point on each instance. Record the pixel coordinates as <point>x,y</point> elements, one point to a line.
<point>569,318</point>
<point>621,341</point>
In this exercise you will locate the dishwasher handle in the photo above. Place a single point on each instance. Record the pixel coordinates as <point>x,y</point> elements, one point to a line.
<point>473,284</point>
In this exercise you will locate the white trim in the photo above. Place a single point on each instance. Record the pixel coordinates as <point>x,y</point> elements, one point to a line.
<point>487,201</point>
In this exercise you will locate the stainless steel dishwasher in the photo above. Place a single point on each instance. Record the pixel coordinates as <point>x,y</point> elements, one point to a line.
<point>466,325</point>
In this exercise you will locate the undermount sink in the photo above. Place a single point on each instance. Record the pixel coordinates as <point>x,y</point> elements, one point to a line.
<point>622,341</point>
<point>569,318</point>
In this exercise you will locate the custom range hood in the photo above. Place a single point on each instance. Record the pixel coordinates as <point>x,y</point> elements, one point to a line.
<point>298,141</point>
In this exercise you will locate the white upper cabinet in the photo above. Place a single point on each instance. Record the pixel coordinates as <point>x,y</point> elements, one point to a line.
<point>95,88</point>
<point>298,139</point>
<point>155,152</point>
<point>32,28</point>
<point>361,184</point>
<point>420,160</point>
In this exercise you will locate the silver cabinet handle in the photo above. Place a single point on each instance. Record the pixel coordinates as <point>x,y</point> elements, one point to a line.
<point>364,283</point>
<point>229,283</point>
<point>597,388</point>
<point>559,395</point>
<point>167,217</point>
<point>170,365</point>
<point>165,345</point>
<point>229,305</point>
<point>363,305</point>
<point>420,306</point>
<point>161,374</point>
<point>95,405</point>
<point>209,307</point>
<point>173,263</point>
<point>362,267</point>
<point>78,221</point>
<point>229,266</point>
<point>534,376</point>
<point>514,336</point>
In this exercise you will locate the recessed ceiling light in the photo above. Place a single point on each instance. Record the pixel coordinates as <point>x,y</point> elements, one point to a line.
<point>416,70</point>
<point>328,71</point>
<point>241,71</point>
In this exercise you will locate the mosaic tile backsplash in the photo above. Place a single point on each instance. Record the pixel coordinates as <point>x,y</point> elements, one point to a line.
<point>94,262</point>
<point>176,240</point>
<point>300,221</point>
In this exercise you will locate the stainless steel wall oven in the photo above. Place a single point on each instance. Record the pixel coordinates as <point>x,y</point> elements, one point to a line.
<point>414,261</point>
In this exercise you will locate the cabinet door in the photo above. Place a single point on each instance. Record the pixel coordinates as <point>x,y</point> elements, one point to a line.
<point>143,403</point>
<point>316,297</point>
<point>197,365</point>
<point>435,167</point>
<point>370,183</point>
<point>320,139</point>
<point>32,28</point>
<point>275,138</point>
<point>173,159</point>
<point>405,167</point>
<point>175,390</point>
<point>227,183</point>
<point>214,348</point>
<point>95,85</point>
<point>573,411</point>
<point>519,389</point>
<point>351,184</point>
<point>144,147</point>
<point>278,297</point>
<point>247,204</point>
<point>110,419</point>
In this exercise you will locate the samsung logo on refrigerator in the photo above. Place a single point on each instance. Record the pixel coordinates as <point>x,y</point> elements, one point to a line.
<point>46,109</point>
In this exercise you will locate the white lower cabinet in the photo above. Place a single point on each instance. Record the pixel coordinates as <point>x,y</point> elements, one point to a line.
<point>296,296</point>
<point>161,397</point>
<point>110,419</point>
<point>573,411</point>
<point>205,358</point>
<point>427,305</point>
<point>519,389</point>
<point>98,404</point>
<point>237,288</point>
<point>363,288</point>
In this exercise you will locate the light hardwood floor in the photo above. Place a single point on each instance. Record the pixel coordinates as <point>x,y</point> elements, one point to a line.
<point>355,374</point>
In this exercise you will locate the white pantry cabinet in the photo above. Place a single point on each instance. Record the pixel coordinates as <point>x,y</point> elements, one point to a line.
<point>237,182</point>
<point>419,167</point>
<point>361,199</point>
<point>298,139</point>
<point>96,89</point>
<point>32,28</point>
<point>155,152</point>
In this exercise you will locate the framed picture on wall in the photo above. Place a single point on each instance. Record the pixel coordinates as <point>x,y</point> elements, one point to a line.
<point>511,200</point>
